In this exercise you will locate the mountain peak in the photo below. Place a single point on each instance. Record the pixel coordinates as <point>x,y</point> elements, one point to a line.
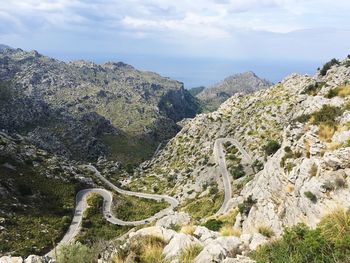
<point>245,82</point>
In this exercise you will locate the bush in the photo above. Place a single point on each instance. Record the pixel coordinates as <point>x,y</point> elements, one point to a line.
<point>313,89</point>
<point>213,224</point>
<point>271,147</point>
<point>328,65</point>
<point>76,253</point>
<point>341,91</point>
<point>328,243</point>
<point>247,204</point>
<point>336,224</point>
<point>311,196</point>
<point>257,166</point>
<point>327,114</point>
<point>238,171</point>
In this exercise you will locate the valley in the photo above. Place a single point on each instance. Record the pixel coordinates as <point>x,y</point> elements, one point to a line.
<point>106,163</point>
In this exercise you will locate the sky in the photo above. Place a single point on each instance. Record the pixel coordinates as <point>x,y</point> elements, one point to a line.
<point>198,42</point>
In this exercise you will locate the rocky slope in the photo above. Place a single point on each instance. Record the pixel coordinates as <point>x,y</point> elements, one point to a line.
<point>246,82</point>
<point>298,133</point>
<point>29,177</point>
<point>70,108</point>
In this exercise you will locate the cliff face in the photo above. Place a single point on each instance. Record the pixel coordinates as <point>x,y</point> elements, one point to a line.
<point>71,103</point>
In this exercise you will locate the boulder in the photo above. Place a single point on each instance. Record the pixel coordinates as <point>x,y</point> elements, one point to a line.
<point>34,259</point>
<point>219,249</point>
<point>204,234</point>
<point>178,243</point>
<point>9,259</point>
<point>175,219</point>
<point>166,234</point>
<point>257,240</point>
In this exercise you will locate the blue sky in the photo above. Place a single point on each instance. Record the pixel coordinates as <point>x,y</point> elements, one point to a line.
<point>196,41</point>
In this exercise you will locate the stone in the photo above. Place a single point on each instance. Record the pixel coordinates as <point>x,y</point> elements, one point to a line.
<point>257,240</point>
<point>34,259</point>
<point>10,259</point>
<point>166,234</point>
<point>177,244</point>
<point>175,219</point>
<point>204,234</point>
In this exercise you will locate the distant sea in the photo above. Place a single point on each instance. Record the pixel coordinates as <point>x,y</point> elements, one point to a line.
<point>194,72</point>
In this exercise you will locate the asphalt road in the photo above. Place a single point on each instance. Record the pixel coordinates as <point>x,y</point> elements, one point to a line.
<point>81,206</point>
<point>219,155</point>
<point>81,197</point>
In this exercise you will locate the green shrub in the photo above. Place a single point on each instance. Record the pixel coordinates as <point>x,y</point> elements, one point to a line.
<point>257,166</point>
<point>76,253</point>
<point>332,93</point>
<point>213,224</point>
<point>328,65</point>
<point>311,196</point>
<point>328,243</point>
<point>271,147</point>
<point>238,171</point>
<point>247,204</point>
<point>313,89</point>
<point>327,114</point>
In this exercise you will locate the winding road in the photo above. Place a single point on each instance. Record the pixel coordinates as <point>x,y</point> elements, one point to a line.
<point>219,155</point>
<point>81,197</point>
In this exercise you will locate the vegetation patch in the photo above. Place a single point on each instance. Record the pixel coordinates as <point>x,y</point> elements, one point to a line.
<point>311,196</point>
<point>266,231</point>
<point>328,243</point>
<point>144,249</point>
<point>271,147</point>
<point>205,206</point>
<point>342,91</point>
<point>129,150</point>
<point>328,66</point>
<point>32,224</point>
<point>131,208</point>
<point>79,253</point>
<point>190,253</point>
<point>213,224</point>
<point>247,204</point>
<point>314,88</point>
<point>95,227</point>
<point>327,114</point>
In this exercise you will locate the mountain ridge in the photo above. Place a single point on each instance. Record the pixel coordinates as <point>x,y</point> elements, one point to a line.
<point>246,82</point>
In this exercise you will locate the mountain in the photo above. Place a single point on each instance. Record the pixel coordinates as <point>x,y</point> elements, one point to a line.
<point>264,178</point>
<point>246,82</point>
<point>2,47</point>
<point>195,91</point>
<point>286,150</point>
<point>84,110</point>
